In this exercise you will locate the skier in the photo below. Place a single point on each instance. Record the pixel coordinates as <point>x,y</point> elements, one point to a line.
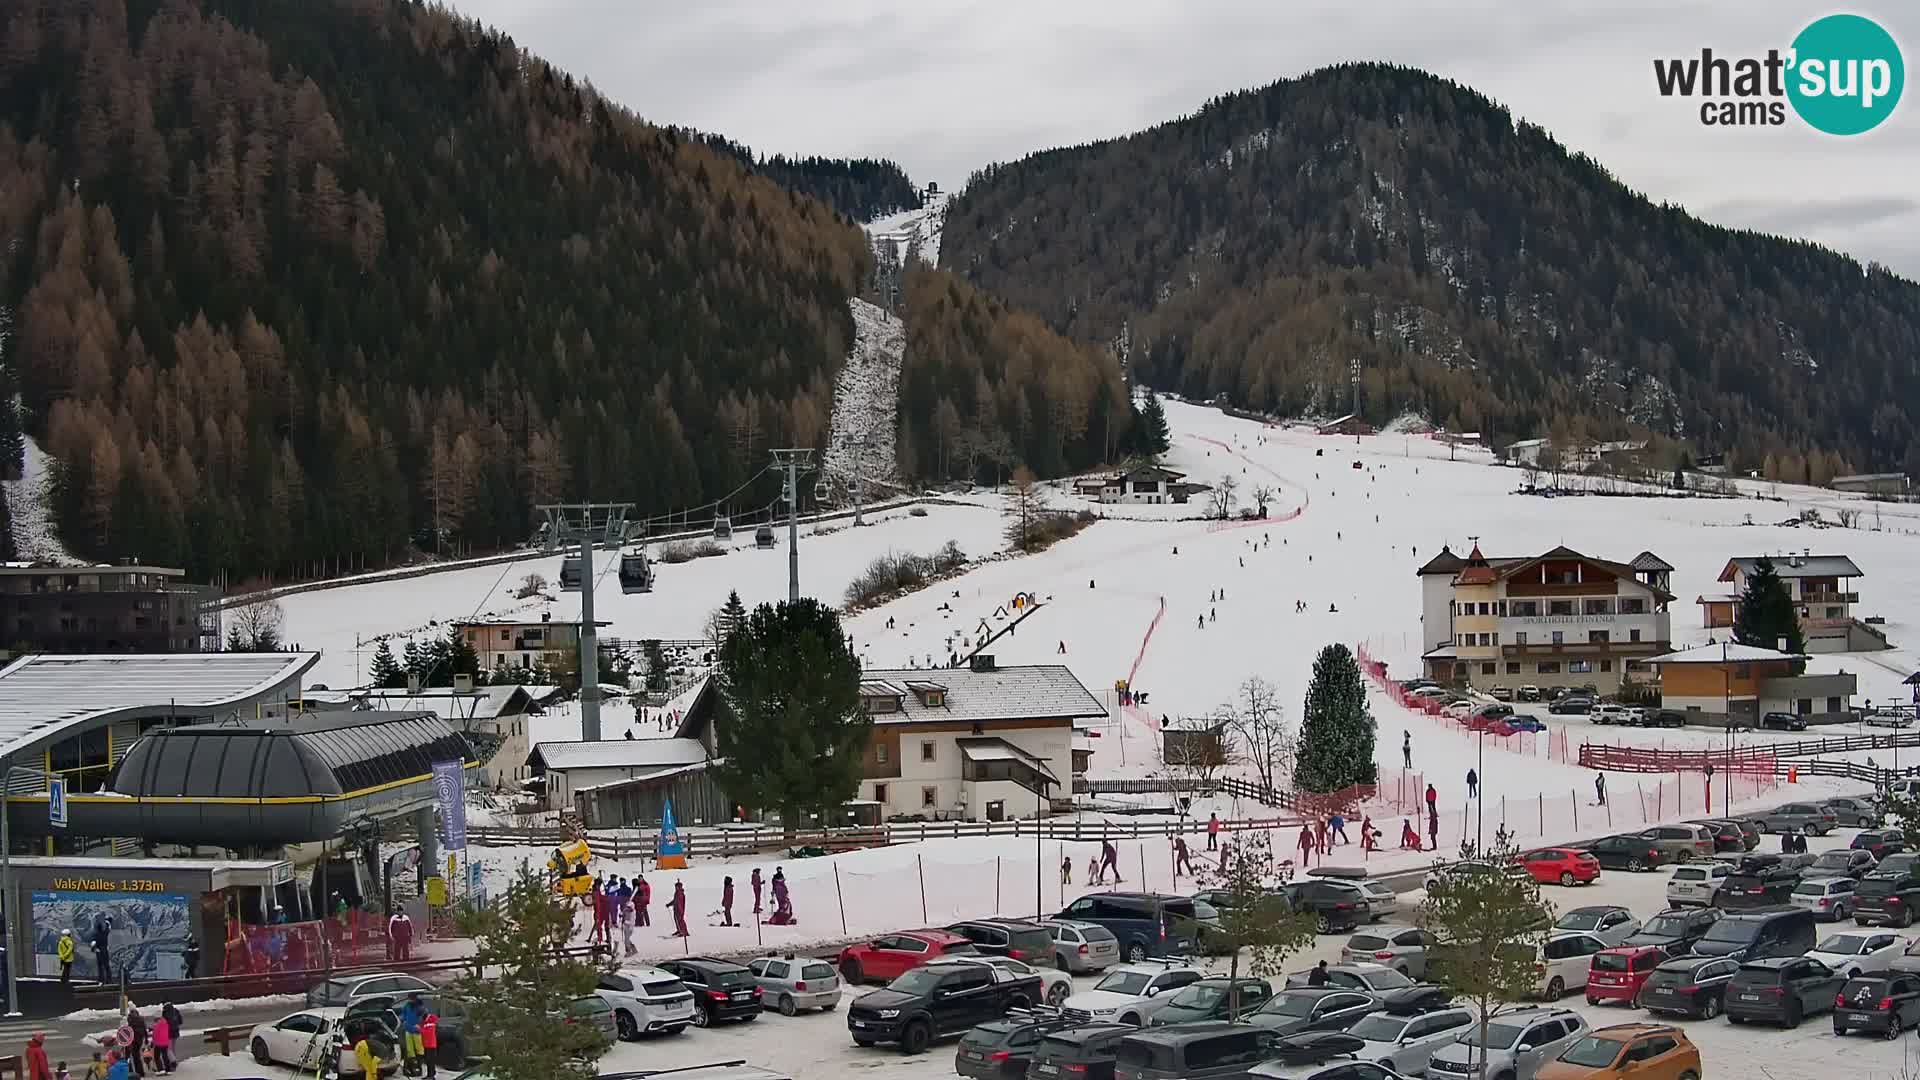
<point>642,900</point>
<point>1600,787</point>
<point>782,901</point>
<point>1110,856</point>
<point>624,906</point>
<point>1201,620</point>
<point>726,900</point>
<point>1337,827</point>
<point>678,905</point>
<point>1095,874</point>
<point>757,884</point>
<point>1182,861</point>
<point>599,901</point>
<point>1473,784</point>
<point>1213,828</point>
<point>1063,648</point>
<point>1369,836</point>
<point>1406,748</point>
<point>1213,614</point>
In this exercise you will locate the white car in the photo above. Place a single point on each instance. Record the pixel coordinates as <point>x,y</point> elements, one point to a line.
<point>646,1000</point>
<point>305,1039</point>
<point>1695,884</point>
<point>1404,1043</point>
<point>1130,993</point>
<point>1458,710</point>
<point>1562,962</point>
<point>1633,716</point>
<point>1608,922</point>
<point>1852,952</point>
<point>1608,714</point>
<point>1056,984</point>
<point>1427,692</point>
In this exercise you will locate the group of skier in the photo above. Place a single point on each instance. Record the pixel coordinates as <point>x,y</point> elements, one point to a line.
<point>617,903</point>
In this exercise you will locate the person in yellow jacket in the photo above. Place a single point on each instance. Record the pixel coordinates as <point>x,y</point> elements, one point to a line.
<point>66,950</point>
<point>369,1061</point>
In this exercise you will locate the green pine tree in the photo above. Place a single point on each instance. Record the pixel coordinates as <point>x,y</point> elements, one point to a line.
<point>413,661</point>
<point>1336,730</point>
<point>656,659</point>
<point>791,733</point>
<point>521,988</point>
<point>733,613</point>
<point>386,673</point>
<point>461,659</point>
<point>1150,434</point>
<point>1766,612</point>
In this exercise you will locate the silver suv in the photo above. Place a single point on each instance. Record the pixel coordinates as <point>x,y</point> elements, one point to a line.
<point>1800,817</point>
<point>1518,1044</point>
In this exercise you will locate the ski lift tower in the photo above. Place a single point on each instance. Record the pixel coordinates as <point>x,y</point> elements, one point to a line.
<point>793,461</point>
<point>588,525</point>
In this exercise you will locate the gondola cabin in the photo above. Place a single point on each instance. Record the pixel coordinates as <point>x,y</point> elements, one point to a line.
<point>636,572</point>
<point>572,573</point>
<point>722,527</point>
<point>763,537</point>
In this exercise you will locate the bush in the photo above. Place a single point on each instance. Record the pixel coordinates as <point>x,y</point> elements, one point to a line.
<point>918,511</point>
<point>1045,530</point>
<point>894,574</point>
<point>688,550</point>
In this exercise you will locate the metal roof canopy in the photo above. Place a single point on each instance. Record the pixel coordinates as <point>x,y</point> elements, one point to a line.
<point>560,755</point>
<point>45,697</point>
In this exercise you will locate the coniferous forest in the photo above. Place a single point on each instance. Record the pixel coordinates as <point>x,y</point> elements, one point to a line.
<point>1469,266</point>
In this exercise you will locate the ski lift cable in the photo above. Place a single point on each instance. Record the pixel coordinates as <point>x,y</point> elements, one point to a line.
<point>686,513</point>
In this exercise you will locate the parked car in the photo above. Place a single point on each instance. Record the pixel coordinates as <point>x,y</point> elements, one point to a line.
<point>1695,885</point>
<point>1456,710</point>
<point>1146,924</point>
<point>1842,862</point>
<point>306,1039</point>
<point>1883,1004</point>
<point>1827,898</point>
<point>936,1001</point>
<point>1618,973</point>
<point>1440,874</point>
<point>1428,691</point>
<point>1523,722</point>
<point>1886,898</point>
<point>1859,813</point>
<point>1782,990</point>
<point>1904,864</point>
<point>1529,693</point>
<point>1756,882</point>
<point>1566,866</point>
<point>891,955</point>
<point>1610,923</point>
<point>1209,934</point>
<point>1501,693</point>
<point>1783,721</point>
<point>1667,718</point>
<point>1404,1042</point>
<point>1055,985</point>
<point>1562,962</point>
<point>594,1011</point>
<point>1675,929</point>
<point>1517,1044</point>
<point>345,990</point>
<point>1085,1052</point>
<point>1215,1050</point>
<point>1681,843</point>
<point>1858,952</point>
<point>649,1000</point>
<point>1885,717</point>
<point>1753,935</point>
<point>1370,978</point>
<point>1750,828</point>
<point>1129,993</point>
<point>1570,705</point>
<point>1321,1008</point>
<point>1210,999</point>
<point>1007,937</point>
<point>1082,946</point>
<point>1003,1049</point>
<point>1609,713</point>
<point>1691,986</point>
<point>1382,901</point>
<point>1879,843</point>
<point>1338,906</point>
<point>1402,948</point>
<point>1626,852</point>
<point>721,990</point>
<point>1726,835</point>
<point>1645,1051</point>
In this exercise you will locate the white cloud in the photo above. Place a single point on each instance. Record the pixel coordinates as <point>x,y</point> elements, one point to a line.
<point>946,88</point>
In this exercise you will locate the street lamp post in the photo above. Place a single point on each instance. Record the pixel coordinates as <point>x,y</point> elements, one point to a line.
<point>1480,800</point>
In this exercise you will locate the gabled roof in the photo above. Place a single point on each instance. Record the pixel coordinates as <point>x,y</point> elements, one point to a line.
<point>618,753</point>
<point>484,703</point>
<point>1625,571</point>
<point>1444,563</point>
<point>1647,561</point>
<point>1036,692</point>
<point>1796,566</point>
<point>1728,652</point>
<point>1476,571</point>
<point>1150,472</point>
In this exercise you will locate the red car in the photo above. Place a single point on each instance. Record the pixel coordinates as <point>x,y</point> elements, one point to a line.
<point>1618,974</point>
<point>1560,865</point>
<point>890,955</point>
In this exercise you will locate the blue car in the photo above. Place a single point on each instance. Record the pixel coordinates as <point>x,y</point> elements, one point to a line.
<point>1523,722</point>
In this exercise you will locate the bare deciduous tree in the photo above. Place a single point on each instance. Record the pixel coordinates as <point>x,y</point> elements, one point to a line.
<point>1192,754</point>
<point>1223,495</point>
<point>1258,722</point>
<point>1262,495</point>
<point>255,626</point>
<point>531,585</point>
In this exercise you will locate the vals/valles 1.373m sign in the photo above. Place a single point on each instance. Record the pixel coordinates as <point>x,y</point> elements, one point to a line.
<point>1842,75</point>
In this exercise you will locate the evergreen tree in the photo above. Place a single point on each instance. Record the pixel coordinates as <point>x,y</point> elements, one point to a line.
<point>657,659</point>
<point>413,661</point>
<point>521,986</point>
<point>1151,437</point>
<point>461,659</point>
<point>733,614</point>
<point>1336,730</point>
<point>385,672</point>
<point>1766,612</point>
<point>790,732</point>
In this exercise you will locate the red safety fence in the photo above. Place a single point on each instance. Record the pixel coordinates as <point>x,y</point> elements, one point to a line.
<point>1552,744</point>
<point>1646,760</point>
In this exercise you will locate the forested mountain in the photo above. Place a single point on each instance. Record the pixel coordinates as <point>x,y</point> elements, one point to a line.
<point>295,283</point>
<point>1469,265</point>
<point>860,188</point>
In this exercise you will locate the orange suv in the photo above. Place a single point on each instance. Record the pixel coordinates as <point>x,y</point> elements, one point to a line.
<point>1650,1051</point>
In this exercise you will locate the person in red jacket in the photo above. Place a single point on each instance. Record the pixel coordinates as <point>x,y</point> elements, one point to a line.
<point>642,899</point>
<point>678,905</point>
<point>429,1039</point>
<point>37,1067</point>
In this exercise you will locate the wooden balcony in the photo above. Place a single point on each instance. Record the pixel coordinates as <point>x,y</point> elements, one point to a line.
<point>1586,648</point>
<point>1830,598</point>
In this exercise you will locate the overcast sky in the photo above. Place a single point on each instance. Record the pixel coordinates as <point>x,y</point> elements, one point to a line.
<point>946,87</point>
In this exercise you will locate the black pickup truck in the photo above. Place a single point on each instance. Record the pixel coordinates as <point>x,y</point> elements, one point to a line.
<point>938,1001</point>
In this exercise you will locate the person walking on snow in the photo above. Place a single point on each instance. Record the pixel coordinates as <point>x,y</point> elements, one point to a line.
<point>1110,857</point>
<point>1306,844</point>
<point>1094,871</point>
<point>1213,832</point>
<point>1063,648</point>
<point>1406,749</point>
<point>1433,800</point>
<point>1337,827</point>
<point>1066,869</point>
<point>1202,620</point>
<point>1433,830</point>
<point>726,900</point>
<point>678,905</point>
<point>1182,861</point>
<point>1369,836</point>
<point>37,1067</point>
<point>1473,784</point>
<point>1320,837</point>
<point>782,900</point>
<point>642,900</point>
<point>1600,787</point>
<point>624,905</point>
<point>598,899</point>
<point>755,882</point>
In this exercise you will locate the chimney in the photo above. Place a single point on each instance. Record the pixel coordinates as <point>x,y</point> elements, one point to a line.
<point>413,682</point>
<point>982,662</point>
<point>463,683</point>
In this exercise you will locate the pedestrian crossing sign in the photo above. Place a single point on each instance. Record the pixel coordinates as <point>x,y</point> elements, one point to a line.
<point>57,802</point>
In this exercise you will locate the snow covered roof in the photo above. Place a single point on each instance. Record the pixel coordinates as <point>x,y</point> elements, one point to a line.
<point>1728,652</point>
<point>641,776</point>
<point>1444,652</point>
<point>484,703</point>
<point>618,754</point>
<point>1796,566</point>
<point>43,697</point>
<point>1036,692</point>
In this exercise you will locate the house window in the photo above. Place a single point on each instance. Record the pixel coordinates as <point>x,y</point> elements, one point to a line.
<point>1834,612</point>
<point>1487,669</point>
<point>1526,609</point>
<point>1486,639</point>
<point>1513,667</point>
<point>1520,637</point>
<point>1500,608</point>
<point>1633,635</point>
<point>1559,607</point>
<point>929,796</point>
<point>506,634</point>
<point>1803,706</point>
<point>1632,605</point>
<point>880,793</point>
<point>1599,605</point>
<point>926,750</point>
<point>1559,637</point>
<point>1496,637</point>
<point>1579,667</point>
<point>881,753</point>
<point>1833,704</point>
<point>1549,667</point>
<point>1606,665</point>
<point>1599,637</point>
<point>1486,608</point>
